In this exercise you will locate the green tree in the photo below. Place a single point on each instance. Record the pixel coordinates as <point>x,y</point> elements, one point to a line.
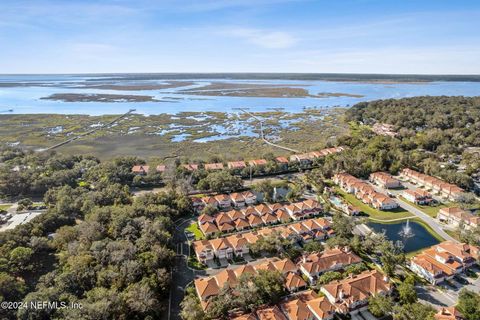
<point>220,181</point>
<point>20,259</point>
<point>313,246</point>
<point>380,305</point>
<point>413,311</point>
<point>191,308</point>
<point>329,276</point>
<point>406,290</point>
<point>265,187</point>
<point>469,304</point>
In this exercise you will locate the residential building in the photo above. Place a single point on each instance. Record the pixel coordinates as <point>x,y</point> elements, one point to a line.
<point>141,169</point>
<point>417,196</point>
<point>190,167</point>
<point>250,197</point>
<point>455,216</point>
<point>295,307</point>
<point>213,166</point>
<point>239,165</point>
<point>384,180</point>
<point>448,313</point>
<point>161,168</point>
<point>317,263</point>
<point>365,192</point>
<point>257,162</point>
<point>321,309</point>
<point>223,201</point>
<point>282,163</point>
<point>351,294</point>
<point>237,199</point>
<point>271,313</point>
<point>438,186</point>
<point>443,261</point>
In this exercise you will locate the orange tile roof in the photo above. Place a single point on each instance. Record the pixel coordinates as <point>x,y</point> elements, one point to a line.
<point>236,165</point>
<point>293,281</point>
<point>213,166</point>
<point>257,162</point>
<point>208,227</point>
<point>328,259</point>
<point>272,313</point>
<point>206,287</point>
<point>448,313</point>
<point>357,288</point>
<point>321,307</point>
<point>140,169</point>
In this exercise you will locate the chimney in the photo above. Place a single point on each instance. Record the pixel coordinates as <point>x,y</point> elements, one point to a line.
<point>386,278</point>
<point>341,294</point>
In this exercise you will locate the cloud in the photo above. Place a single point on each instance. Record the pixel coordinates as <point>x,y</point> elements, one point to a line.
<point>263,38</point>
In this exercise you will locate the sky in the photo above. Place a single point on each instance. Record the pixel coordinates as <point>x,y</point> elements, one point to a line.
<point>313,36</point>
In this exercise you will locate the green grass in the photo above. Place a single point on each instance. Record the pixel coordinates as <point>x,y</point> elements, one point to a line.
<point>195,264</point>
<point>4,207</point>
<point>193,228</point>
<point>430,210</point>
<point>372,213</point>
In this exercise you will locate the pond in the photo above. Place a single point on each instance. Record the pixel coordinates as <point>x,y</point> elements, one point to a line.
<point>421,237</point>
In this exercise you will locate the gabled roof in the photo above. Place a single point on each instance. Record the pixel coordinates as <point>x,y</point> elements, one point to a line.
<point>257,162</point>
<point>213,166</point>
<point>140,169</point>
<point>321,307</point>
<point>204,218</point>
<point>294,281</point>
<point>272,313</point>
<point>358,287</point>
<point>190,166</point>
<point>281,160</point>
<point>236,164</point>
<point>448,313</point>
<point>208,227</point>
<point>322,261</point>
<point>206,287</point>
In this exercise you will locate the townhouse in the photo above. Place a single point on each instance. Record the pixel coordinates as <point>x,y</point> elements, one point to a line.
<point>364,192</point>
<point>140,170</point>
<point>207,287</point>
<point>213,166</point>
<point>351,294</point>
<point>417,196</point>
<point>190,166</point>
<point>446,190</point>
<point>384,180</point>
<point>384,129</point>
<point>207,250</point>
<point>257,163</point>
<point>271,313</point>
<point>236,165</point>
<point>282,163</point>
<point>255,216</point>
<point>448,313</point>
<point>443,261</point>
<point>317,263</point>
<point>456,216</point>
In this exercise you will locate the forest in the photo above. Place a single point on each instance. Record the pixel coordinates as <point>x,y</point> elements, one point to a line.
<point>96,245</point>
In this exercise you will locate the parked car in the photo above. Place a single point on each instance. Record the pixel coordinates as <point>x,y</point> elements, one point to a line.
<point>461,280</point>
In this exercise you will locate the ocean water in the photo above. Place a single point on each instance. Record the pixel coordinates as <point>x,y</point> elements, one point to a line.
<point>26,99</point>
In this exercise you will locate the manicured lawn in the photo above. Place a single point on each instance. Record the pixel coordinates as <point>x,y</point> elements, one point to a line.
<point>398,213</point>
<point>193,228</point>
<point>4,206</point>
<point>430,210</point>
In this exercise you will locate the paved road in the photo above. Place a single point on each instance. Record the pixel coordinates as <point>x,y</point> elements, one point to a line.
<point>433,223</point>
<point>182,275</point>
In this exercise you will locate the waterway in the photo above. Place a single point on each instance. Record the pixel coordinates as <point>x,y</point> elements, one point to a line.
<point>26,98</point>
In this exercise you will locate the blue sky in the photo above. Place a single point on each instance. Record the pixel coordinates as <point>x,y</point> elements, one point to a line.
<point>348,36</point>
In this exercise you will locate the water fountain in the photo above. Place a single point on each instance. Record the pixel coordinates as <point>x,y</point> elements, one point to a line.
<point>406,231</point>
